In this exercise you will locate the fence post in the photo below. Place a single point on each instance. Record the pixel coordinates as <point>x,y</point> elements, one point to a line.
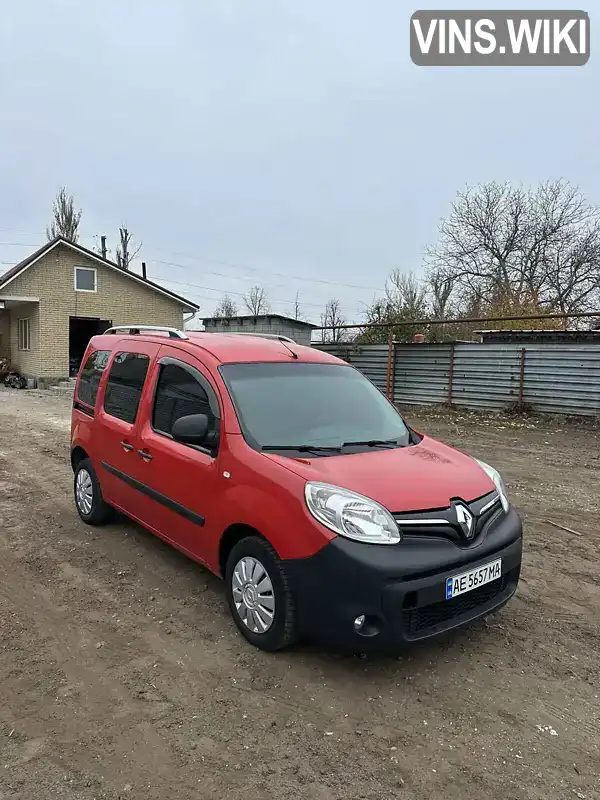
<point>521,378</point>
<point>388,381</point>
<point>393,377</point>
<point>451,374</point>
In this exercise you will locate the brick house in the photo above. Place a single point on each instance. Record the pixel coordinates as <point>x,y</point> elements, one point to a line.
<point>56,299</point>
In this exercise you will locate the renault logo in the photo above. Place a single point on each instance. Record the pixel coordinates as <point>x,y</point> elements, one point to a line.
<point>465,520</point>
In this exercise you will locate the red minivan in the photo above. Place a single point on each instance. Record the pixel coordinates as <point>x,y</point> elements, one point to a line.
<point>286,472</point>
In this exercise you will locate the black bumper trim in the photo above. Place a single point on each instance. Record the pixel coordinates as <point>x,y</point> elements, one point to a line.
<point>422,622</point>
<point>400,588</point>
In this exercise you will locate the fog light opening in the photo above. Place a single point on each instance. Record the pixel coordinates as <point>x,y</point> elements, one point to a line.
<point>367,625</point>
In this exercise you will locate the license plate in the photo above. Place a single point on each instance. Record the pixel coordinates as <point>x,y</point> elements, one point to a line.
<point>460,584</point>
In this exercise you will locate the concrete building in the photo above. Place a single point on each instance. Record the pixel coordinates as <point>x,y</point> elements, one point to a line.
<point>56,299</point>
<point>294,329</point>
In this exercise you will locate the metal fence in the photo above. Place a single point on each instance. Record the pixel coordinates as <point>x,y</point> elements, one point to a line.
<point>552,378</point>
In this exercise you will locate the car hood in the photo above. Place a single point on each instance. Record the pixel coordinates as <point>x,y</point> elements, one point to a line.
<point>425,476</point>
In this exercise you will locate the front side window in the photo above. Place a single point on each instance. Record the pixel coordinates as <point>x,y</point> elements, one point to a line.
<point>85,279</point>
<point>179,394</point>
<point>89,380</point>
<point>302,405</point>
<point>24,334</point>
<point>125,384</point>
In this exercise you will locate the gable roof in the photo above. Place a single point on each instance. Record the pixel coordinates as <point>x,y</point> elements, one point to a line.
<point>15,271</point>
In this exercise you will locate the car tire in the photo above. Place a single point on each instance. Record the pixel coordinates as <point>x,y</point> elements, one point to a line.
<point>259,595</point>
<point>89,502</point>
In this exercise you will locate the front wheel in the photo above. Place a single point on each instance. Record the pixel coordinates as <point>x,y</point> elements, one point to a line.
<point>88,496</point>
<point>259,595</point>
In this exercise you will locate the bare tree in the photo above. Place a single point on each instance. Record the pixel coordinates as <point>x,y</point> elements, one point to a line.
<point>440,288</point>
<point>65,219</point>
<point>297,312</point>
<point>256,301</point>
<point>442,301</point>
<point>333,318</point>
<point>522,247</point>
<point>227,308</point>
<point>405,300</point>
<point>126,250</point>
<point>405,292</point>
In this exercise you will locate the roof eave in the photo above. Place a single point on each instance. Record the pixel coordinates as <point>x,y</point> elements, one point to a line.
<point>19,268</point>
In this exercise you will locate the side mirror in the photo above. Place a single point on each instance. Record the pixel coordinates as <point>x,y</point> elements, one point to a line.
<point>192,429</point>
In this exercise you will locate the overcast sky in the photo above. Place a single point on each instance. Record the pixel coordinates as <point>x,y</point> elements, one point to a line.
<point>259,141</point>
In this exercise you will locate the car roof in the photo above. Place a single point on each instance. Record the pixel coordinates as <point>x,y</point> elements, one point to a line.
<point>229,348</point>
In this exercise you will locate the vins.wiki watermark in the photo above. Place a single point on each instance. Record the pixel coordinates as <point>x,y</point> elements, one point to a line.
<point>500,38</point>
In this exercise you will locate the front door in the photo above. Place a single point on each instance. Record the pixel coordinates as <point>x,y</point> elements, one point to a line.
<point>180,482</point>
<point>117,414</point>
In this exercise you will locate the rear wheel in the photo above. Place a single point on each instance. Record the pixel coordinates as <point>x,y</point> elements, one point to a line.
<point>88,496</point>
<point>259,595</point>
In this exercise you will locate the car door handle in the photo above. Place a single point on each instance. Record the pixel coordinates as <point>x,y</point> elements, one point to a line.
<point>126,446</point>
<point>145,455</point>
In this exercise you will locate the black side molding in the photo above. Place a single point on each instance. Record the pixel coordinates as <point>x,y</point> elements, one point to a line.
<point>165,501</point>
<point>85,409</point>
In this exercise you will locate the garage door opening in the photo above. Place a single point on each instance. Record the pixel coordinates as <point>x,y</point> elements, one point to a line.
<point>81,330</point>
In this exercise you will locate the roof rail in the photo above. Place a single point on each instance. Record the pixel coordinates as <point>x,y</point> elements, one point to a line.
<point>278,336</point>
<point>174,333</point>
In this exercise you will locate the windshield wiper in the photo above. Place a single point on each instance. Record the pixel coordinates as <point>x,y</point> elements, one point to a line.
<point>371,443</point>
<point>303,448</point>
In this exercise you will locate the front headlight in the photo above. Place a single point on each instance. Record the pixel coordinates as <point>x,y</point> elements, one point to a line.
<point>351,515</point>
<point>498,483</point>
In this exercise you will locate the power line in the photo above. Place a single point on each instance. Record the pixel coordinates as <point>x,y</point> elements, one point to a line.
<point>223,291</point>
<point>232,265</point>
<point>221,274</point>
<point>185,283</point>
<point>204,260</point>
<point>18,244</point>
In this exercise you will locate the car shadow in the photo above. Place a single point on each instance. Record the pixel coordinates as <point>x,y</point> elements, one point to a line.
<point>190,580</point>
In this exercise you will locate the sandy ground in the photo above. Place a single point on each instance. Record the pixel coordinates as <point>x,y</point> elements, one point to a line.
<point>122,676</point>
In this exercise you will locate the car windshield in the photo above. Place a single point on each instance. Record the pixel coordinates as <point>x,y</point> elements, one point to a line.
<point>305,405</point>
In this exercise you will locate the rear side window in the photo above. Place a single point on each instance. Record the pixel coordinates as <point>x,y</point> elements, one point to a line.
<point>89,380</point>
<point>125,384</point>
<point>178,394</point>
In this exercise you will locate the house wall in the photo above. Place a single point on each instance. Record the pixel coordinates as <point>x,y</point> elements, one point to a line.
<point>5,333</point>
<point>299,333</point>
<point>25,361</point>
<point>51,279</point>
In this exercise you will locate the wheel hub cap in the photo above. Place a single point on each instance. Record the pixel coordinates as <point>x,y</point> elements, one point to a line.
<point>250,595</point>
<point>84,491</point>
<point>253,594</point>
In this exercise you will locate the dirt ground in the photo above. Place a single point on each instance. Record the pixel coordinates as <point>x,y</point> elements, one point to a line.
<point>122,676</point>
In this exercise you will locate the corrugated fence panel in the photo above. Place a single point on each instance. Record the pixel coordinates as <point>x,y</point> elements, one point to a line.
<point>563,379</point>
<point>486,376</point>
<point>557,378</point>
<point>370,359</point>
<point>421,374</point>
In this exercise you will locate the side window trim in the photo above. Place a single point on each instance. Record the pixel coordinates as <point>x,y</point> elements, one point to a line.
<point>167,361</point>
<point>197,375</point>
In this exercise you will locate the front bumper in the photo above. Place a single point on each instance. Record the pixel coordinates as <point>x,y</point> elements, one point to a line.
<point>400,588</point>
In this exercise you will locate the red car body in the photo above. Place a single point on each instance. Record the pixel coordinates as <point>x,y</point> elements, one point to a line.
<point>202,503</point>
